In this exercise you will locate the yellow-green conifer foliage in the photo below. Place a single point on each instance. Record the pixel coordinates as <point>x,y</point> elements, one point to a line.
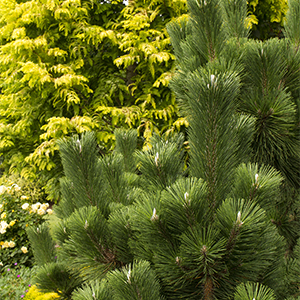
<point>148,60</point>
<point>266,17</point>
<point>68,66</point>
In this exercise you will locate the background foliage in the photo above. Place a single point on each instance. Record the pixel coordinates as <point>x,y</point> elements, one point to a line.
<point>69,67</point>
<point>267,18</point>
<point>74,66</point>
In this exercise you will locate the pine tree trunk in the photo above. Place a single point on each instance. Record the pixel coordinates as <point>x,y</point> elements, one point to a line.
<point>208,289</point>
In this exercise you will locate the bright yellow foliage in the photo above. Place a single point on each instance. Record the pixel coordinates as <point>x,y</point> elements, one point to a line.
<point>35,294</point>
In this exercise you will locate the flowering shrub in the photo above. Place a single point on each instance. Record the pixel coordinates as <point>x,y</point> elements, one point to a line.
<point>15,281</point>
<point>16,213</point>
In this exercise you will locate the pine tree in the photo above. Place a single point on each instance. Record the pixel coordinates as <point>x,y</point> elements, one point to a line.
<point>144,224</point>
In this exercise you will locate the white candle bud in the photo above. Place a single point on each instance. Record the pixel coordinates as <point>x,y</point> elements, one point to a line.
<point>156,159</point>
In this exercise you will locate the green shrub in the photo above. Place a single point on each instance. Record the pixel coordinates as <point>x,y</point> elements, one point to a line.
<point>17,212</point>
<point>15,282</point>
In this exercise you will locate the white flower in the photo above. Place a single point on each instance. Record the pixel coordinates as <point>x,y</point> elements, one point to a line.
<point>3,189</point>
<point>44,206</point>
<point>16,187</point>
<point>25,206</point>
<point>24,197</point>
<point>3,226</point>
<point>49,211</point>
<point>5,245</point>
<point>1,263</point>
<point>41,211</point>
<point>24,249</point>
<point>11,244</point>
<point>35,207</point>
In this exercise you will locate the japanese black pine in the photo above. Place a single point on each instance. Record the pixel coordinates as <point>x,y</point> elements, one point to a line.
<point>213,217</point>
